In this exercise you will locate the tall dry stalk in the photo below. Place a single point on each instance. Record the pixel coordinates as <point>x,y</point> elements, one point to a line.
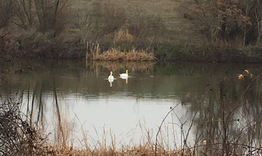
<point>159,129</point>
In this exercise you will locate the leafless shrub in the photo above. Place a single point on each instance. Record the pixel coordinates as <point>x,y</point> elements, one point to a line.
<point>17,137</point>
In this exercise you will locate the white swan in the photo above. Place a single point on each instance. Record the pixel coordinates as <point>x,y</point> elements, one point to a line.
<point>110,78</point>
<point>124,75</point>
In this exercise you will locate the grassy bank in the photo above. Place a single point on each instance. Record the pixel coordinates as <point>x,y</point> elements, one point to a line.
<point>168,30</point>
<point>40,46</point>
<point>144,52</point>
<point>208,53</point>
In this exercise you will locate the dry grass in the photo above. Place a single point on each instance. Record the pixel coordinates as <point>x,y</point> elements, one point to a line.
<point>142,150</point>
<point>142,55</point>
<point>114,54</point>
<point>146,21</point>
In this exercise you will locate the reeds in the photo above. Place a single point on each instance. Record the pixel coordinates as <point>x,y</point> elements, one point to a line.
<point>114,54</point>
<point>145,150</point>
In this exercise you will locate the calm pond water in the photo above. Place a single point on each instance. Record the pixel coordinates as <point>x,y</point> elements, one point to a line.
<point>74,102</point>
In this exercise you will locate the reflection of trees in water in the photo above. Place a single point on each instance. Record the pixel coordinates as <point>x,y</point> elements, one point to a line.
<point>229,115</point>
<point>36,114</point>
<point>35,107</point>
<point>19,128</point>
<point>228,109</point>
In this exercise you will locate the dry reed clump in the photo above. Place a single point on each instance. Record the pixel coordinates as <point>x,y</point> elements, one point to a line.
<point>110,55</point>
<point>142,55</point>
<point>114,54</point>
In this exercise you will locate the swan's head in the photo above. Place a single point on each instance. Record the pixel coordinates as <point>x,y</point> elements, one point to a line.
<point>111,73</point>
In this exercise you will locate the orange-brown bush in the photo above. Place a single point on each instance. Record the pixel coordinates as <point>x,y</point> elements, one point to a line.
<point>114,54</point>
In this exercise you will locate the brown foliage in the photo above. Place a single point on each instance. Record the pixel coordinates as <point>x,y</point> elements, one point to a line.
<point>221,20</point>
<point>114,54</point>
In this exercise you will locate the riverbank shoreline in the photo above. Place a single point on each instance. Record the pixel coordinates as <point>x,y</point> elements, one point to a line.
<point>141,52</point>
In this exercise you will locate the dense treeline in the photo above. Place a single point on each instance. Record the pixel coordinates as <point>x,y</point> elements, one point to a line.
<point>60,28</point>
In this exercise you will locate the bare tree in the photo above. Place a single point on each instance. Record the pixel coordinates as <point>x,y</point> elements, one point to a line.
<point>51,14</point>
<point>6,12</point>
<point>24,13</point>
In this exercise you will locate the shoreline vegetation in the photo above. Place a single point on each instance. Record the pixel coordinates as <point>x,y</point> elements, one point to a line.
<point>208,31</point>
<point>138,53</point>
<point>58,49</point>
